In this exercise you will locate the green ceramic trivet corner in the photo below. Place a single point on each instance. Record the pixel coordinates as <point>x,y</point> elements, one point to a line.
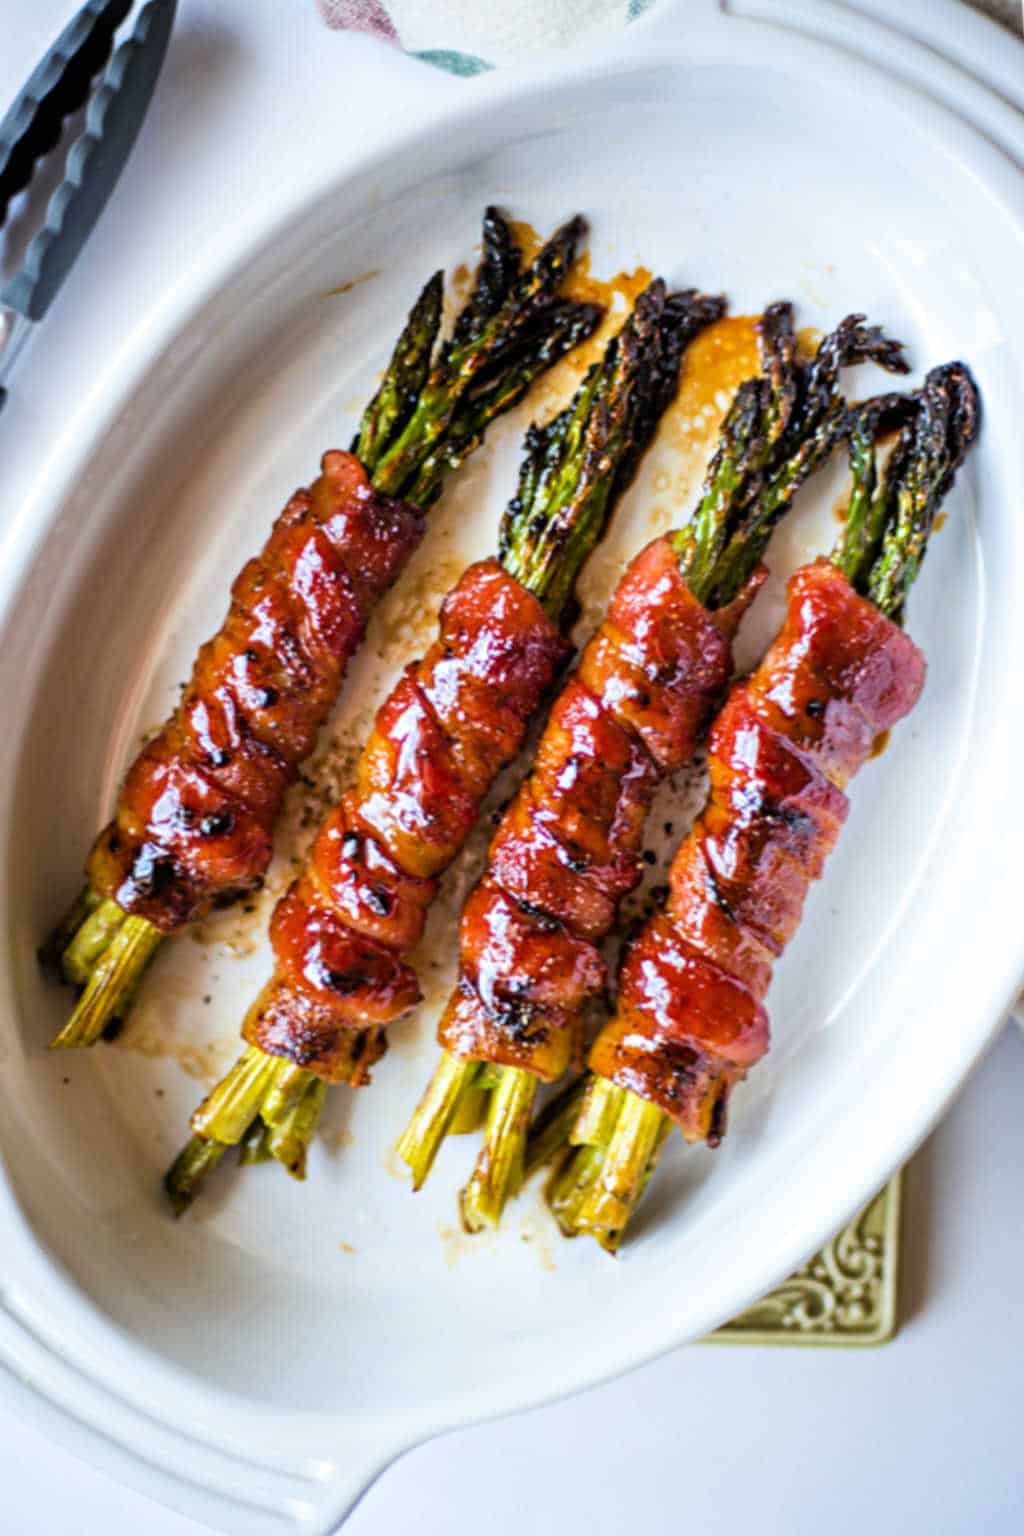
<point>846,1295</point>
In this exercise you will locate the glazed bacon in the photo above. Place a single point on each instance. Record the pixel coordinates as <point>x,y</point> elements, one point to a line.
<point>691,1019</point>
<point>569,846</point>
<point>449,726</point>
<point>194,821</point>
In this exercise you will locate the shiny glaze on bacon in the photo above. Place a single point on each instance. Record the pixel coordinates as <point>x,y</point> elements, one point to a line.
<point>691,1019</point>
<point>449,726</point>
<point>194,820</point>
<point>569,847</point>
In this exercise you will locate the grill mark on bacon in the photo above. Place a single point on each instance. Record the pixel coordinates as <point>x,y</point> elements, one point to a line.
<point>784,746</point>
<point>449,726</point>
<point>569,847</point>
<point>194,819</point>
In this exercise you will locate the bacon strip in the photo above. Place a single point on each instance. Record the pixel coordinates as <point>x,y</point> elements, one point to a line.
<point>569,847</point>
<point>449,726</point>
<point>193,824</point>
<point>691,1019</point>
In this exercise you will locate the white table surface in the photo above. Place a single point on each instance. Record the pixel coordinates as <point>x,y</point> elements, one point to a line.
<point>922,1435</point>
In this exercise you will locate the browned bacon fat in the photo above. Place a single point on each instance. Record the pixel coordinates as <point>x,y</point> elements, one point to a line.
<point>569,846</point>
<point>690,1019</point>
<point>449,726</point>
<point>194,820</point>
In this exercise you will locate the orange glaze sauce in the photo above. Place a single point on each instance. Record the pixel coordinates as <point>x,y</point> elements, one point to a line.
<point>353,282</point>
<point>808,339</point>
<point>714,365</point>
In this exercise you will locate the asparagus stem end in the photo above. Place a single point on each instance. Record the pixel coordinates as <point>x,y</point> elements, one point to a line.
<point>433,1116</point>
<point>500,1166</point>
<point>185,1175</point>
<point>113,981</point>
<point>229,1109</point>
<point>617,1137</point>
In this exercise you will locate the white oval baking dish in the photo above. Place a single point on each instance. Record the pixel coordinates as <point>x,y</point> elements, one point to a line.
<point>243,1364</point>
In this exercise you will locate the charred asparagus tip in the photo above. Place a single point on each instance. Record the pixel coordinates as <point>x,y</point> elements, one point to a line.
<point>113,981</point>
<point>433,1116</point>
<point>577,465</point>
<point>486,347</point>
<point>500,1166</point>
<point>229,1109</point>
<point>918,475</point>
<point>182,1180</point>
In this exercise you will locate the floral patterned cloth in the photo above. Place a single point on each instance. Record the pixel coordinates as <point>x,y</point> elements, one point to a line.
<point>466,37</point>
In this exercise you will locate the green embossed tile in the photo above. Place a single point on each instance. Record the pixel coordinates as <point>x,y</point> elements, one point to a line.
<point>847,1294</point>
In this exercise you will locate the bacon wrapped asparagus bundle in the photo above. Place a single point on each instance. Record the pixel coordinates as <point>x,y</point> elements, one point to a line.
<point>342,932</point>
<point>569,847</point>
<point>690,1020</point>
<point>194,819</point>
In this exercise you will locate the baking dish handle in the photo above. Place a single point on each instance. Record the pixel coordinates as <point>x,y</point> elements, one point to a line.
<point>222,1488</point>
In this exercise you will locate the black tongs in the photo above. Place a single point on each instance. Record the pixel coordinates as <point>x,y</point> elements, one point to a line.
<point>62,81</point>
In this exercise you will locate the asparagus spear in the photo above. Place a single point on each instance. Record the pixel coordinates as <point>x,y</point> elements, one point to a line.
<point>617,1135</point>
<point>467,361</point>
<point>780,427</point>
<point>406,374</point>
<point>432,409</point>
<point>573,470</point>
